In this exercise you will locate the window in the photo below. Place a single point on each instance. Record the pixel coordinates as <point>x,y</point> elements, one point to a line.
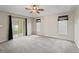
<point>38,23</point>
<point>62,24</point>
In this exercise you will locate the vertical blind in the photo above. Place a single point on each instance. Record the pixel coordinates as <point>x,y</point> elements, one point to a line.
<point>18,25</point>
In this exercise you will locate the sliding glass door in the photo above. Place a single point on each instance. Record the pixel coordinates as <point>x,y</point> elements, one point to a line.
<point>18,26</point>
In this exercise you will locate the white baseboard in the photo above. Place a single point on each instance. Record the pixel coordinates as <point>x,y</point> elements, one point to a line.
<point>58,38</point>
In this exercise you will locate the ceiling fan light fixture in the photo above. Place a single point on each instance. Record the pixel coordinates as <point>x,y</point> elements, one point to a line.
<point>35,9</point>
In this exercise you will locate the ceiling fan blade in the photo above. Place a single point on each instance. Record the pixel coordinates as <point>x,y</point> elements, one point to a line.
<point>27,8</point>
<point>38,12</point>
<point>41,9</point>
<point>31,11</point>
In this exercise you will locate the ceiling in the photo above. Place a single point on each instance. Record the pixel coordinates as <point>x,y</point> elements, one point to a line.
<point>49,9</point>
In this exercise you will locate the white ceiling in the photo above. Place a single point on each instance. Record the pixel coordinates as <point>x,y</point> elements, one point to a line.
<point>49,9</point>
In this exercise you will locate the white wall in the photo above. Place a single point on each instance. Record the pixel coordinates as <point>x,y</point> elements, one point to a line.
<point>4,29</point>
<point>34,26</point>
<point>49,26</point>
<point>29,26</point>
<point>77,26</point>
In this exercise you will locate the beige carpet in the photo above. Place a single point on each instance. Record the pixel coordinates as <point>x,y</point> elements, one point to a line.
<point>38,44</point>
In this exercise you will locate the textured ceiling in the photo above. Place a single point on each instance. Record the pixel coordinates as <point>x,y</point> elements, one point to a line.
<point>49,9</point>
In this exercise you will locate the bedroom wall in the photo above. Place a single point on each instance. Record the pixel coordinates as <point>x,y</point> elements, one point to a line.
<point>30,26</point>
<point>34,26</point>
<point>49,26</point>
<point>77,26</point>
<point>4,26</point>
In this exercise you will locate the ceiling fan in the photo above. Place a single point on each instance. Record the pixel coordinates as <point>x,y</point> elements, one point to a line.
<point>34,9</point>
